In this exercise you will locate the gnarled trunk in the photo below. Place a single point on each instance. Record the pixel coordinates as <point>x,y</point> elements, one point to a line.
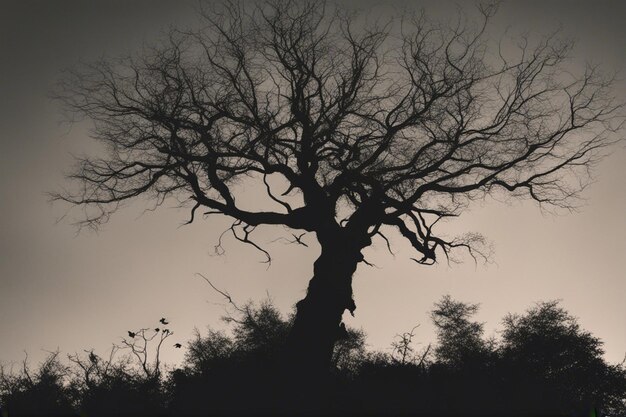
<point>317,324</point>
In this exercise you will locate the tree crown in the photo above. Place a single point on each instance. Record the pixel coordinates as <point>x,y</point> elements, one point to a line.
<point>397,124</point>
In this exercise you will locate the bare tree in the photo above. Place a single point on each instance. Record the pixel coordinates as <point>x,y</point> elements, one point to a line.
<point>140,343</point>
<point>402,348</point>
<point>91,369</point>
<point>351,127</point>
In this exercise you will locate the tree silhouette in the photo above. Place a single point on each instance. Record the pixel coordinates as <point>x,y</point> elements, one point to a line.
<point>461,341</point>
<point>351,127</point>
<point>547,356</point>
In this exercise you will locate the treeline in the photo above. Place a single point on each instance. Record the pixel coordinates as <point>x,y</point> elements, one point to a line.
<point>543,363</point>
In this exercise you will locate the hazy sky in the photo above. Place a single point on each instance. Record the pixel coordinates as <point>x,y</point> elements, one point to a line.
<point>73,292</point>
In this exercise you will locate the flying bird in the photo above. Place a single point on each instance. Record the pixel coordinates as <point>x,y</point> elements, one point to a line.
<point>132,334</point>
<point>178,345</point>
<point>156,329</point>
<point>163,321</point>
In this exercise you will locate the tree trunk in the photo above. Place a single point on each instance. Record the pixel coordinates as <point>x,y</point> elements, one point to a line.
<point>317,324</point>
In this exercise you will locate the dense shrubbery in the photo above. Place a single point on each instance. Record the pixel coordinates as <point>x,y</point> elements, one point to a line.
<point>543,364</point>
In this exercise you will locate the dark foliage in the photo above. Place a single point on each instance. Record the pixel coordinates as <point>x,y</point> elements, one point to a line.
<point>543,364</point>
<point>33,393</point>
<point>545,355</point>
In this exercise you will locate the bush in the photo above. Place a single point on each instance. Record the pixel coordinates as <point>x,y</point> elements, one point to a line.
<point>547,357</point>
<point>46,391</point>
<point>544,364</point>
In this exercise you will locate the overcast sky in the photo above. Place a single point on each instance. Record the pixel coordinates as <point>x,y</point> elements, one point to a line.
<point>73,292</point>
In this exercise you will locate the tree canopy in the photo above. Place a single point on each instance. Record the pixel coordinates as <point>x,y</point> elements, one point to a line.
<point>396,123</point>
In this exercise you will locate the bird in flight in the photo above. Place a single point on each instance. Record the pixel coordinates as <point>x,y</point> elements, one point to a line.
<point>163,321</point>
<point>132,334</point>
<point>156,329</point>
<point>178,345</point>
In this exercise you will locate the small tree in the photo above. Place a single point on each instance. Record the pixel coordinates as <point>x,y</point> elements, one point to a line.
<point>461,341</point>
<point>351,127</point>
<point>552,359</point>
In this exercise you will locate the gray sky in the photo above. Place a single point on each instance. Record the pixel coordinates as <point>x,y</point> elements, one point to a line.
<point>73,292</point>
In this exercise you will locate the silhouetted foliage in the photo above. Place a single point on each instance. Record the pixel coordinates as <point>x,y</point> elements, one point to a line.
<point>546,356</point>
<point>219,367</point>
<point>461,342</point>
<point>117,388</point>
<point>204,353</point>
<point>34,393</point>
<point>261,331</point>
<point>543,364</point>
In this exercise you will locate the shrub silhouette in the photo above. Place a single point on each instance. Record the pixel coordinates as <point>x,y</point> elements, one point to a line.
<point>122,391</point>
<point>131,384</point>
<point>461,342</point>
<point>547,357</point>
<point>220,369</point>
<point>543,364</point>
<point>42,392</point>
